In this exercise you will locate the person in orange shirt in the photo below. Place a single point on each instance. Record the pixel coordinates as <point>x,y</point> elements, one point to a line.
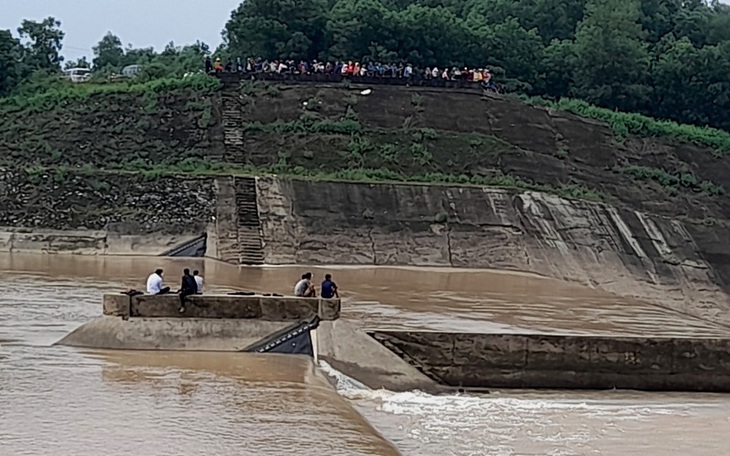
<point>218,65</point>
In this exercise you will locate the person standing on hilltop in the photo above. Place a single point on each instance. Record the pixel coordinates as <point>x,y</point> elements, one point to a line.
<point>154,284</point>
<point>208,65</point>
<point>198,281</point>
<point>187,287</point>
<point>329,288</point>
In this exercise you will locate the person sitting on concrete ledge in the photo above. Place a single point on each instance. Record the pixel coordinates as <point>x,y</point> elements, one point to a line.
<point>304,287</point>
<point>329,288</point>
<point>198,281</point>
<point>154,284</point>
<point>187,287</point>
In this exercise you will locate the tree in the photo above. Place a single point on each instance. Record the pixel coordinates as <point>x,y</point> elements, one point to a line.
<point>558,65</point>
<point>109,52</point>
<point>516,50</point>
<point>658,16</point>
<point>278,29</point>
<point>555,18</point>
<point>80,63</point>
<point>358,26</point>
<point>44,44</point>
<point>434,36</point>
<point>10,65</point>
<point>692,84</point>
<point>612,58</point>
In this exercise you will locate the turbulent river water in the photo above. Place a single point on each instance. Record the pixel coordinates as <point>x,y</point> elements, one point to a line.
<point>62,401</point>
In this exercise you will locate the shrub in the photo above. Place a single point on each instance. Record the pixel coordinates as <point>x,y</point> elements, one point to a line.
<point>624,124</point>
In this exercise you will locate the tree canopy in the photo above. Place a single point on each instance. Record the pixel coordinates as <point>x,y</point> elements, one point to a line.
<point>666,58</point>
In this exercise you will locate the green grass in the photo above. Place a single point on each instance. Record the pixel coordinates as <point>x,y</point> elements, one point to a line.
<point>367,175</point>
<point>306,124</point>
<point>62,93</point>
<point>673,182</point>
<point>624,124</point>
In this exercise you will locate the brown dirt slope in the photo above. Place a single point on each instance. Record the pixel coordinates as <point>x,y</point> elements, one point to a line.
<point>416,131</point>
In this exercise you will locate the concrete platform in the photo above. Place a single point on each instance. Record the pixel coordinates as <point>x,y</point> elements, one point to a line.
<point>209,323</point>
<point>266,308</point>
<point>564,362</point>
<point>188,334</point>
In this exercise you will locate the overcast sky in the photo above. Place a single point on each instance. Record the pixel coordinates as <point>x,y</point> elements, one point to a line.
<point>140,22</point>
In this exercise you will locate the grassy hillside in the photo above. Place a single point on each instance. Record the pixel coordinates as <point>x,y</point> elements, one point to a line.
<point>109,125</point>
<point>393,134</point>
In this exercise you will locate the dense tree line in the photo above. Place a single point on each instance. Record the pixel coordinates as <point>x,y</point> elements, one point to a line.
<point>666,58</point>
<point>31,60</point>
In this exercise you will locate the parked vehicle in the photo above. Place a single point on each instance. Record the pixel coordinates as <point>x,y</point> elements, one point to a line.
<point>77,74</point>
<point>131,71</point>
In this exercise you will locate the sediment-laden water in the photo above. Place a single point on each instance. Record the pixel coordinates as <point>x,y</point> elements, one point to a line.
<point>62,401</point>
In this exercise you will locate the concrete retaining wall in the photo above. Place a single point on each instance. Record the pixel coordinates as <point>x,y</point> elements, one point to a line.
<point>266,308</point>
<point>621,251</point>
<point>538,361</point>
<point>88,242</point>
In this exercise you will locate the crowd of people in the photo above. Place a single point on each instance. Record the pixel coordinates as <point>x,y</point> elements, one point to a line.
<point>348,69</point>
<point>192,284</point>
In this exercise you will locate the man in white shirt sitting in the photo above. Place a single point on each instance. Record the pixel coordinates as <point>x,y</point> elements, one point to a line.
<point>199,281</point>
<point>304,287</point>
<point>154,284</point>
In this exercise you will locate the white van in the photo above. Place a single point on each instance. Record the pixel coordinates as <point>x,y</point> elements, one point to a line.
<point>77,74</point>
<point>131,71</point>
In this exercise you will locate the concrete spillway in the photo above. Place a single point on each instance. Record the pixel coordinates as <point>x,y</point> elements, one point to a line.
<point>559,361</point>
<point>406,360</point>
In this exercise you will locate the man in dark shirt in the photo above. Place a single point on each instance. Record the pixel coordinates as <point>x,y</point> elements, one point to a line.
<point>329,288</point>
<point>188,287</point>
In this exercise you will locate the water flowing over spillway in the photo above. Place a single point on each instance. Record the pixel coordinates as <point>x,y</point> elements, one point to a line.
<point>68,401</point>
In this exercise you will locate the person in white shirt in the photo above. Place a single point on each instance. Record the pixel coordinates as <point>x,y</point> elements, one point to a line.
<point>304,287</point>
<point>199,281</point>
<point>154,284</point>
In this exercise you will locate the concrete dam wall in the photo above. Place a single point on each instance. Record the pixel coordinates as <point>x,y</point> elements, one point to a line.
<point>623,251</point>
<point>541,361</point>
<point>250,220</point>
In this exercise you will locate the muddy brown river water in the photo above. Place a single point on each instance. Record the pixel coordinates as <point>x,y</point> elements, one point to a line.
<point>62,401</point>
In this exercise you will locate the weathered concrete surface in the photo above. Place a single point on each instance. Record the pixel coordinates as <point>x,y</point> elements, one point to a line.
<point>539,361</point>
<point>266,308</point>
<point>351,351</point>
<point>87,242</point>
<point>103,214</point>
<point>626,252</point>
<point>194,334</point>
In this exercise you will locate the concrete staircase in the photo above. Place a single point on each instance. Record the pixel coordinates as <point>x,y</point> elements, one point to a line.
<point>238,228</point>
<point>250,245</point>
<point>238,238</point>
<point>232,123</point>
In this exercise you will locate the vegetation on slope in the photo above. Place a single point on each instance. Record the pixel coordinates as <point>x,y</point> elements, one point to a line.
<point>624,124</point>
<point>106,124</point>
